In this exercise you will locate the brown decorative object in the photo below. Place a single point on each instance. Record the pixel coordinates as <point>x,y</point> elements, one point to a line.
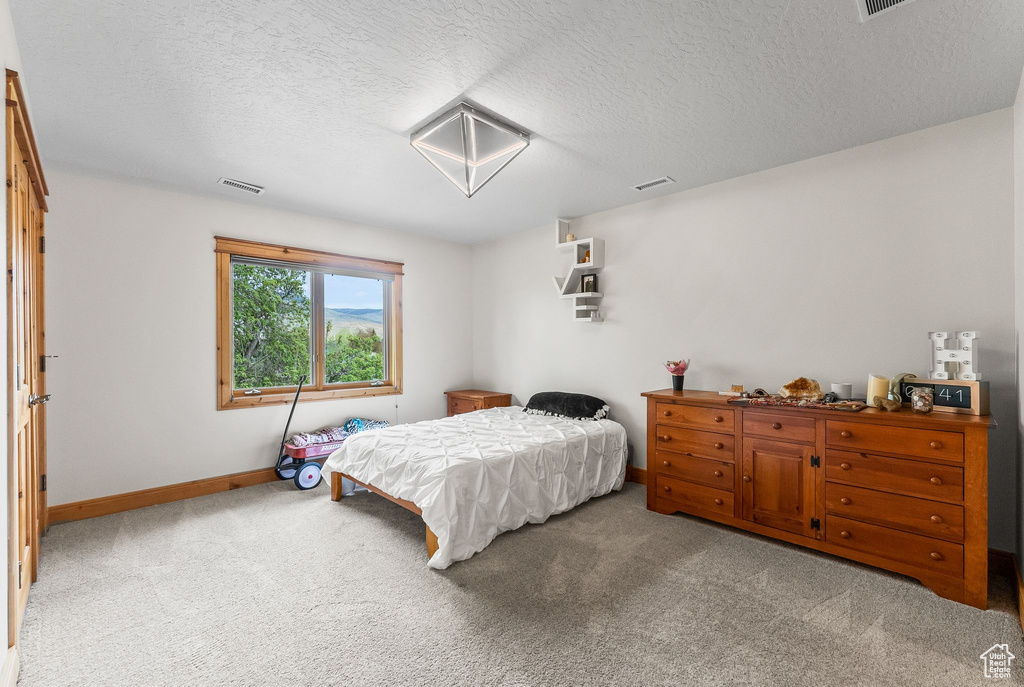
<point>905,492</point>
<point>802,387</point>
<point>586,257</point>
<point>886,404</point>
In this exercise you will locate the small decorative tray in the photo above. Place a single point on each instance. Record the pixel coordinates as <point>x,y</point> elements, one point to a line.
<point>782,402</point>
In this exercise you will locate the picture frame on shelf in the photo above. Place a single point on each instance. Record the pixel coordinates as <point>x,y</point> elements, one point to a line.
<point>588,283</point>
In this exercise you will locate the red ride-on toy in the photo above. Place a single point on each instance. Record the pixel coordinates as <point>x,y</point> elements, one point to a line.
<point>296,462</point>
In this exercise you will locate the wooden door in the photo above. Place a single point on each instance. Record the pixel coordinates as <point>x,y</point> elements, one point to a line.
<point>26,386</point>
<point>778,485</point>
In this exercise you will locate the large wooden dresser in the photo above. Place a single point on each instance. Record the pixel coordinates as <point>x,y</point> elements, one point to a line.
<point>900,491</point>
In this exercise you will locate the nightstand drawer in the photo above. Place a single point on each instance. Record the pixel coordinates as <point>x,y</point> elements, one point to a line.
<point>695,417</point>
<point>779,426</point>
<point>907,513</point>
<point>912,549</point>
<point>457,406</point>
<point>692,442</point>
<point>713,473</point>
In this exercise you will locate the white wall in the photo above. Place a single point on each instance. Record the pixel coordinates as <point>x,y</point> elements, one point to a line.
<point>834,268</point>
<point>131,312</point>
<point>11,60</point>
<point>1018,178</point>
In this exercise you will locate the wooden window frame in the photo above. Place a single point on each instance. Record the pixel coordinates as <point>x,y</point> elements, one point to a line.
<point>228,398</point>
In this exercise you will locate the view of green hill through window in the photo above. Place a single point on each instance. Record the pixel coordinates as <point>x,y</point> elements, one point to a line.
<point>272,311</point>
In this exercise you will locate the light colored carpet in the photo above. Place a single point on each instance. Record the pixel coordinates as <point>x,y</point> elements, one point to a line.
<point>270,586</point>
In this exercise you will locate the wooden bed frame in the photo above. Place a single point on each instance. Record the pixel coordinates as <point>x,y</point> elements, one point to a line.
<point>336,494</point>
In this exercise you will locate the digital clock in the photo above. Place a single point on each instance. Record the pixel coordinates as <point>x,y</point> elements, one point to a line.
<point>950,395</point>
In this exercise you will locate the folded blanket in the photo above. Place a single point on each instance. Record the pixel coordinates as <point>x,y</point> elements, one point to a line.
<point>321,436</point>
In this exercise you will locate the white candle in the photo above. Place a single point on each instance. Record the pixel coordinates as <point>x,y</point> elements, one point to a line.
<point>877,386</point>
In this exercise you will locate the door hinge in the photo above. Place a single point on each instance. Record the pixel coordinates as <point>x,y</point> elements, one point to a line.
<point>815,524</point>
<point>19,574</point>
<point>815,461</point>
<point>17,377</point>
<point>42,363</point>
<point>42,244</point>
<point>42,483</point>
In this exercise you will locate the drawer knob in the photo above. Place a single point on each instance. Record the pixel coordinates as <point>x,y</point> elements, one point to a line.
<point>668,488</point>
<point>844,534</point>
<point>845,501</point>
<point>667,413</point>
<point>719,418</point>
<point>665,437</point>
<point>718,473</point>
<point>936,519</point>
<point>845,466</point>
<point>845,434</point>
<point>935,480</point>
<point>746,478</point>
<point>936,444</point>
<point>718,502</point>
<point>936,555</point>
<point>719,445</point>
<point>668,464</point>
<point>776,425</point>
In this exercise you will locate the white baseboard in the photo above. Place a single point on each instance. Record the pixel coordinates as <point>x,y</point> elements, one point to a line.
<point>9,671</point>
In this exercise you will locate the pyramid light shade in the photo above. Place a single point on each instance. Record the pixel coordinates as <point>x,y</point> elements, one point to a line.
<point>468,146</point>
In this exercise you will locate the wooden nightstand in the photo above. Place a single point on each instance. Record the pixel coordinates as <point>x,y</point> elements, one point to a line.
<point>468,400</point>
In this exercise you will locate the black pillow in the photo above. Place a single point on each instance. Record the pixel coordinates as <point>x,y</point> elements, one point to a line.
<point>572,406</point>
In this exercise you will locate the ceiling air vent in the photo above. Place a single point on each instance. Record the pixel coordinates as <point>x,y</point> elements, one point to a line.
<point>654,182</point>
<point>242,186</point>
<point>872,8</point>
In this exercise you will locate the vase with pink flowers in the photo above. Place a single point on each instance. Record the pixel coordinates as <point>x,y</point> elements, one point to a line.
<point>677,368</point>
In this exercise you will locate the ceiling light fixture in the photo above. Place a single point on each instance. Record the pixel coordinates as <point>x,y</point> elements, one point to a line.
<point>469,147</point>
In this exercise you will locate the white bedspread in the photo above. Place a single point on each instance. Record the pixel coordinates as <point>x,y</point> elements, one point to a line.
<point>479,474</point>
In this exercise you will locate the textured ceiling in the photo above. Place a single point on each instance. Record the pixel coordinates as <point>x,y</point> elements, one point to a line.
<point>315,99</point>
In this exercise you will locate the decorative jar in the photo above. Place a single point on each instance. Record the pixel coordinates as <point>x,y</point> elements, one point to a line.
<point>922,399</point>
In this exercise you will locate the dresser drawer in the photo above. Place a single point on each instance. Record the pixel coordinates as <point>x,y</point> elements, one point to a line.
<point>457,406</point>
<point>923,443</point>
<point>695,417</point>
<point>692,442</point>
<point>912,549</point>
<point>780,426</point>
<point>907,513</point>
<point>713,473</point>
<point>913,477</point>
<point>694,496</point>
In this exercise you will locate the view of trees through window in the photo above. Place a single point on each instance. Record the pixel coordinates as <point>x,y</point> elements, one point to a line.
<point>272,310</point>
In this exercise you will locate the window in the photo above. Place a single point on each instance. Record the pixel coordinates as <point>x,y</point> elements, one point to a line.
<point>284,314</point>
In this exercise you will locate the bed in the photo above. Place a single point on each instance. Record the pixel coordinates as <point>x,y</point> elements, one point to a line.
<point>476,475</point>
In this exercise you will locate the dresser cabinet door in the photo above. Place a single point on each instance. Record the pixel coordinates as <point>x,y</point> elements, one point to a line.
<point>778,485</point>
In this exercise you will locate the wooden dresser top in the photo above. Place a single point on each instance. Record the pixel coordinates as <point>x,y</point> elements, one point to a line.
<point>474,393</point>
<point>904,417</point>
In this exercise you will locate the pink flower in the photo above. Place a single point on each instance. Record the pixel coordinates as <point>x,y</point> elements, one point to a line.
<point>677,367</point>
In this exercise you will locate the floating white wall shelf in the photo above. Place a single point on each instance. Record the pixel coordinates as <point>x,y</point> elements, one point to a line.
<point>586,306</point>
